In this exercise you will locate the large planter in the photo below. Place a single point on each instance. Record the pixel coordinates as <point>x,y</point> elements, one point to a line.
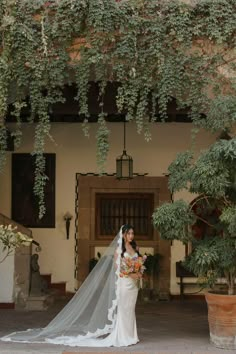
<point>222,320</point>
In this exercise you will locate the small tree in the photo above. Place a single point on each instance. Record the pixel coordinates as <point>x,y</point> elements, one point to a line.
<point>10,239</point>
<point>213,177</point>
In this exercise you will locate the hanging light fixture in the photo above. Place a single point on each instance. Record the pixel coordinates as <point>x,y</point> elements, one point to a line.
<point>124,162</point>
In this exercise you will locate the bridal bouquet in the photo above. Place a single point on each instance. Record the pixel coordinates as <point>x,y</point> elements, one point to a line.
<point>132,265</point>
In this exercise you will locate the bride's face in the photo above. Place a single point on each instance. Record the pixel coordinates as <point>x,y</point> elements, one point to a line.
<point>129,235</point>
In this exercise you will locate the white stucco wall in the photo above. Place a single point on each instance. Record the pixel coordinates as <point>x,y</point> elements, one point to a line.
<point>6,278</point>
<point>76,153</point>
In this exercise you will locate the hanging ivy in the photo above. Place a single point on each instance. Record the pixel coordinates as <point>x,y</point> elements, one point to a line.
<point>156,50</point>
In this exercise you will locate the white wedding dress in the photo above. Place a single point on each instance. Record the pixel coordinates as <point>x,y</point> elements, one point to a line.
<point>125,331</point>
<point>101,314</point>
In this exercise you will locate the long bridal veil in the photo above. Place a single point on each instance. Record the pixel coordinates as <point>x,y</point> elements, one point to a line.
<point>91,313</point>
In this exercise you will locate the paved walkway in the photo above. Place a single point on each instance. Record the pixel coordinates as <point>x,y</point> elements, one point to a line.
<point>164,327</point>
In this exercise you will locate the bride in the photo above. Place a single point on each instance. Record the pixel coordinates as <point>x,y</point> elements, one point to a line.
<point>102,312</point>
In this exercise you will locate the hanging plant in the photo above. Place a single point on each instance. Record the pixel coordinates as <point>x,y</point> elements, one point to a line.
<point>155,50</point>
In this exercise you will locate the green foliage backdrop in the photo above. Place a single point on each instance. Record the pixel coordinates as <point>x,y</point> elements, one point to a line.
<point>155,49</point>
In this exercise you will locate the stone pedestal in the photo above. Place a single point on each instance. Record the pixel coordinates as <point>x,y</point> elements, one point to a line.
<point>28,296</point>
<point>22,275</point>
<point>39,303</point>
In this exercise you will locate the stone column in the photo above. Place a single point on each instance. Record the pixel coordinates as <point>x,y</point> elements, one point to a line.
<point>22,275</point>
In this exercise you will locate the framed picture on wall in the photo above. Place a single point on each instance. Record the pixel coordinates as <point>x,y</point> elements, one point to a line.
<point>24,203</point>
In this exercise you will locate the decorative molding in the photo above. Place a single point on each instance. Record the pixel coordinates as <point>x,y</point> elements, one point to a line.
<point>76,229</point>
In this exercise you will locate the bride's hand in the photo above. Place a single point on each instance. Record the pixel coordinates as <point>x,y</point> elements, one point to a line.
<point>135,276</point>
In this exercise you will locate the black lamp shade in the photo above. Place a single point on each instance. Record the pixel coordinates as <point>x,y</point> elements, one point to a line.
<point>124,166</point>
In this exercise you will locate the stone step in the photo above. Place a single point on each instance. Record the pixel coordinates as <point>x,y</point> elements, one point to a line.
<point>39,303</point>
<point>60,287</point>
<point>47,278</point>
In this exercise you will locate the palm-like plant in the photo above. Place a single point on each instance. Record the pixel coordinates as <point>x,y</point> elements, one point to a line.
<point>213,177</point>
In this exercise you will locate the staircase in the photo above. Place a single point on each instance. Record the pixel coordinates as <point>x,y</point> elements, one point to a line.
<point>22,299</point>
<point>38,303</point>
<point>56,291</point>
<point>58,288</point>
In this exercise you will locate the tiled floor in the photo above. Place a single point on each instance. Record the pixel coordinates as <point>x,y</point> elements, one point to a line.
<point>163,327</point>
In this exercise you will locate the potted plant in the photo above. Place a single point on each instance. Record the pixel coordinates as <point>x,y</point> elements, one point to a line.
<point>212,176</point>
<point>93,261</point>
<point>151,264</point>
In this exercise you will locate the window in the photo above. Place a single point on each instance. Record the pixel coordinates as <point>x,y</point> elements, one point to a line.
<point>116,209</point>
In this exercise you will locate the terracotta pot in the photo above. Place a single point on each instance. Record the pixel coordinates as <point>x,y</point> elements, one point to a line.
<point>222,320</point>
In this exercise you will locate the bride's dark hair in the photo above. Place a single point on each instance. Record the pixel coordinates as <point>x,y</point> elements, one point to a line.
<point>126,228</point>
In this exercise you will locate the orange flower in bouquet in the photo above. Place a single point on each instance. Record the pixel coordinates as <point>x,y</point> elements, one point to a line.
<point>132,265</point>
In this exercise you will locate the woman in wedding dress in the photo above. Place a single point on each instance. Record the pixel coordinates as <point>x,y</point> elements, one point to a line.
<point>125,332</point>
<point>102,312</point>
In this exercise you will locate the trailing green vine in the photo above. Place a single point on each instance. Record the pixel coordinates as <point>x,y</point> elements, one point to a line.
<point>156,50</point>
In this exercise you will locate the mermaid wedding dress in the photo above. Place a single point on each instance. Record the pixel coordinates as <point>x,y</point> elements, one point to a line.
<point>125,331</point>
<point>101,313</point>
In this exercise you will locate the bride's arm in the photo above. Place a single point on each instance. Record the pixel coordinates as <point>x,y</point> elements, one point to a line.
<point>116,255</point>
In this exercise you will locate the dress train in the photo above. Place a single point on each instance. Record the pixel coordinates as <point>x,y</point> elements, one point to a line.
<point>124,332</point>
